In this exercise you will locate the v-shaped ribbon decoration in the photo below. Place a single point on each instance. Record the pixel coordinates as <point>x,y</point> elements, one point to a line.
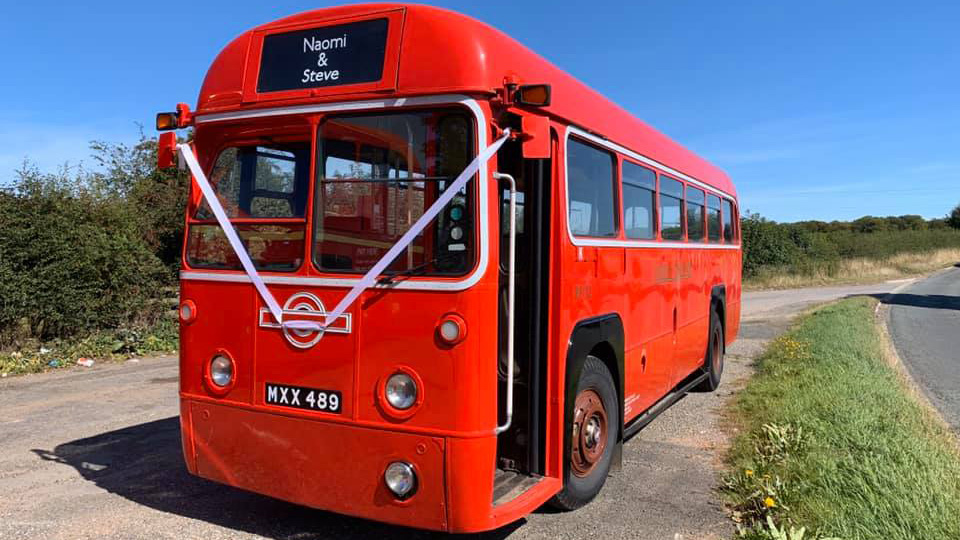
<point>368,279</point>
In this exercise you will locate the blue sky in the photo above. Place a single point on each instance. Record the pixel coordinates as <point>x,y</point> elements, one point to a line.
<point>817,109</point>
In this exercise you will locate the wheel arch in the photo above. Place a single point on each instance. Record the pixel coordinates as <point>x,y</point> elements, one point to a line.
<point>718,301</point>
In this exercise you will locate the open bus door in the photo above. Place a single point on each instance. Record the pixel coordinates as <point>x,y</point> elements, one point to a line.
<point>521,448</point>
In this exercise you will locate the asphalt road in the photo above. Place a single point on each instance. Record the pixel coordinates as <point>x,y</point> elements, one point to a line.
<point>95,453</point>
<point>924,323</point>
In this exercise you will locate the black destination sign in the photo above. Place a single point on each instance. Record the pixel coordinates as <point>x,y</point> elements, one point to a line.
<point>329,56</point>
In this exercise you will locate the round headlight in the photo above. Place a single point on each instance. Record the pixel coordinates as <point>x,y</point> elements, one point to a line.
<point>401,391</point>
<point>221,370</point>
<point>400,479</point>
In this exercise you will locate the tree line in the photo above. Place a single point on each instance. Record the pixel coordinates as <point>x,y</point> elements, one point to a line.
<point>84,250</point>
<point>808,246</point>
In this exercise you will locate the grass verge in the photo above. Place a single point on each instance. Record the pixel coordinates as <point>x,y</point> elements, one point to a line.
<point>117,344</point>
<point>855,270</point>
<point>833,438</point>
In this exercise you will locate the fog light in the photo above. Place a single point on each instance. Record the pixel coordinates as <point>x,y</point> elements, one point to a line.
<point>221,370</point>
<point>401,479</point>
<point>401,391</point>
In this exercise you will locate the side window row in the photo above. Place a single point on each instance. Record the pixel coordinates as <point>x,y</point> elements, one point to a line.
<point>591,189</point>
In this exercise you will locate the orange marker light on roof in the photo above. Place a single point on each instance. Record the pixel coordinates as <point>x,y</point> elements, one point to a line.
<point>166,121</point>
<point>537,95</point>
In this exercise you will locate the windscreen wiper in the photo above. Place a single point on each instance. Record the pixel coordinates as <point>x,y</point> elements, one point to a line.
<point>414,271</point>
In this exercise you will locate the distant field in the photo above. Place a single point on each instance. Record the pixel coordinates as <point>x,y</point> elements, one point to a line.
<point>778,255</point>
<point>832,437</point>
<point>854,270</point>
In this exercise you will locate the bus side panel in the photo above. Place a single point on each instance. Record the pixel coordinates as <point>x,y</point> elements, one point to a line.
<point>732,279</point>
<point>693,311</point>
<point>648,329</point>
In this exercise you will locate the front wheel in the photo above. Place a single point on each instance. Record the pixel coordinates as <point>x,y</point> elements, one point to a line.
<point>594,420</point>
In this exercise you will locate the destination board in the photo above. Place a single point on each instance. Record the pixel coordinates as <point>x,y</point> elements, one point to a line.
<point>330,56</point>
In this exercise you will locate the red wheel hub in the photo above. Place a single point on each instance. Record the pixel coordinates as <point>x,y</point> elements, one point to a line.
<point>589,432</point>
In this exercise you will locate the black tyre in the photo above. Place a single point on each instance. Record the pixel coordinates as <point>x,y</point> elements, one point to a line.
<point>713,362</point>
<point>595,421</point>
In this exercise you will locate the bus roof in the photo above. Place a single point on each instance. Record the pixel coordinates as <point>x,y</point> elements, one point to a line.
<point>442,52</point>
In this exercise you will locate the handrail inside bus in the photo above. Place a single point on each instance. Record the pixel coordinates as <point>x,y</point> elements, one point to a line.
<point>369,279</point>
<point>511,271</point>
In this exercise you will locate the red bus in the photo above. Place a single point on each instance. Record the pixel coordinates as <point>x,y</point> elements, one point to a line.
<point>441,281</point>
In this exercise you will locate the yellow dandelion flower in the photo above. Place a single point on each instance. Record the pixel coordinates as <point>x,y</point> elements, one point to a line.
<point>769,502</point>
<point>748,472</point>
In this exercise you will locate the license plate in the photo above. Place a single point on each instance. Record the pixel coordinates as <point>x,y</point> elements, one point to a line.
<point>299,397</point>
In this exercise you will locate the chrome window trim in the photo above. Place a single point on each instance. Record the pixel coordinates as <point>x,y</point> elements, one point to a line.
<point>236,276</point>
<point>606,242</point>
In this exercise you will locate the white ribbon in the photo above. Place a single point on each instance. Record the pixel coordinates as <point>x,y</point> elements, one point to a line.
<point>187,153</point>
<point>368,279</point>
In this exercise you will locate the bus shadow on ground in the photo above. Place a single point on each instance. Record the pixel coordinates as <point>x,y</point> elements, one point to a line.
<point>929,301</point>
<point>144,464</point>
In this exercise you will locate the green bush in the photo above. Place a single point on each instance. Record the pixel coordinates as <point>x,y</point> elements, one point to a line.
<point>766,244</point>
<point>81,251</point>
<point>953,219</point>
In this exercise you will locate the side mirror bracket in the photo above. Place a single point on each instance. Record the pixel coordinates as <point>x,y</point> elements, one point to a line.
<point>166,150</point>
<point>535,136</point>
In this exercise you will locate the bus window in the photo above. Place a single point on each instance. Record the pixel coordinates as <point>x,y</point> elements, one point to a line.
<point>671,209</point>
<point>728,217</point>
<point>639,200</point>
<point>259,183</point>
<point>377,174</point>
<point>695,200</point>
<point>713,219</point>
<point>590,190</point>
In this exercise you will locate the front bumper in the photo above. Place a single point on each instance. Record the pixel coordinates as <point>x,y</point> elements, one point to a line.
<point>330,466</point>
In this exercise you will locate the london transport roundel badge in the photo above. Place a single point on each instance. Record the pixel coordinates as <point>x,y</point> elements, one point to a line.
<point>304,306</point>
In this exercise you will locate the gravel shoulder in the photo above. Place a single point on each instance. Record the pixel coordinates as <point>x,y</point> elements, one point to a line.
<point>95,453</point>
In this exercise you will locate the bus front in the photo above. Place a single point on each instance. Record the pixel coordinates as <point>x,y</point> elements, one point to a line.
<point>321,165</point>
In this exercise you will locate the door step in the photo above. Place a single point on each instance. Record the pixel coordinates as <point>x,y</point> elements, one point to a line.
<point>508,485</point>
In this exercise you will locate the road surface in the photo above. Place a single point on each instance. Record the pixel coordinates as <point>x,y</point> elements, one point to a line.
<point>95,453</point>
<point>924,323</point>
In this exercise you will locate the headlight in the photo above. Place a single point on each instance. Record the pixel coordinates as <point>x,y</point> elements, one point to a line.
<point>400,479</point>
<point>221,370</point>
<point>401,391</point>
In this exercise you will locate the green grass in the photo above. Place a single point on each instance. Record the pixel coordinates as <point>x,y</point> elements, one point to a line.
<point>831,438</point>
<point>102,345</point>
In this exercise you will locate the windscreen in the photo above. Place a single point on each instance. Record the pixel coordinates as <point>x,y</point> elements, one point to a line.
<point>264,191</point>
<point>376,175</point>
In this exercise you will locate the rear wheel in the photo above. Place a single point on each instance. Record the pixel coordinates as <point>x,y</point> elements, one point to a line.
<point>593,416</point>
<point>713,363</point>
